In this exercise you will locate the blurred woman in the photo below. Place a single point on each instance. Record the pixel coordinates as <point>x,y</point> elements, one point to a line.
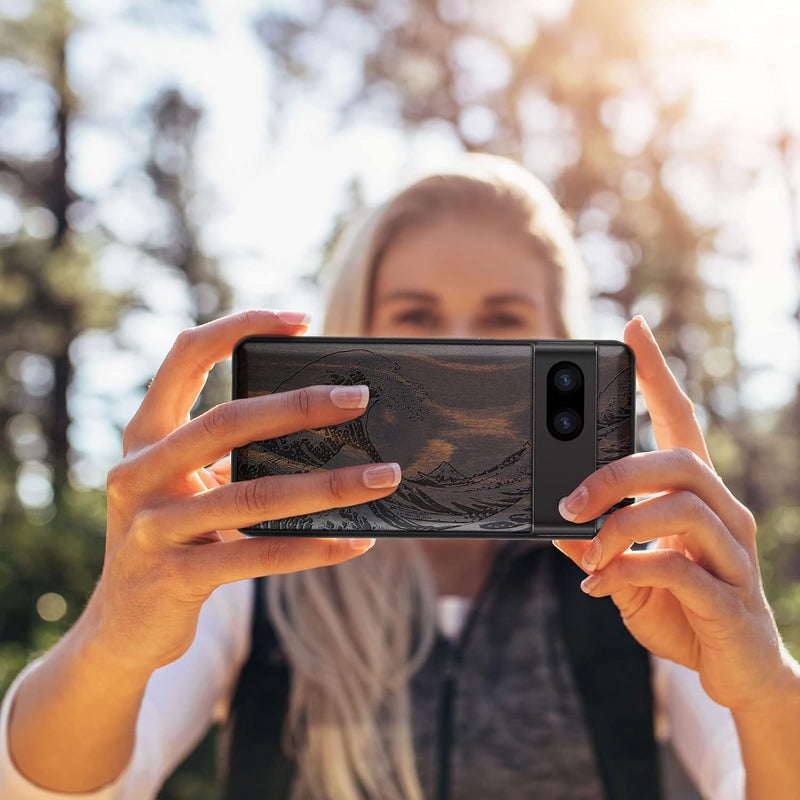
<point>428,668</point>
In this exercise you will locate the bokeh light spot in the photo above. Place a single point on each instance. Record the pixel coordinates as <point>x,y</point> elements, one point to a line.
<point>51,607</point>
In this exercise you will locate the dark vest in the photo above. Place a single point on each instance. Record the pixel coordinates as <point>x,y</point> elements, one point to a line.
<point>610,671</point>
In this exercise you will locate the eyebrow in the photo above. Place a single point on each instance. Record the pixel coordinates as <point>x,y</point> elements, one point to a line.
<point>492,300</point>
<point>501,299</point>
<point>408,294</point>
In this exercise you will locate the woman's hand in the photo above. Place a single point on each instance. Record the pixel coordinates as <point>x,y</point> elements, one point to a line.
<point>171,537</point>
<point>697,597</point>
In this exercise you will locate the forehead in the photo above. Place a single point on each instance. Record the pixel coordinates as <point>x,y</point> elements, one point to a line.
<point>459,258</point>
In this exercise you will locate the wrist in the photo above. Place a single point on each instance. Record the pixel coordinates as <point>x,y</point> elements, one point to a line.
<point>768,727</point>
<point>103,658</point>
<point>92,643</point>
<point>780,697</point>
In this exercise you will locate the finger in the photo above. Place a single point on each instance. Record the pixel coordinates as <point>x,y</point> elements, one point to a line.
<point>652,473</point>
<point>572,548</point>
<point>246,503</point>
<point>219,472</point>
<point>226,562</point>
<point>681,514</point>
<point>183,372</point>
<point>671,410</point>
<point>695,588</point>
<point>238,422</point>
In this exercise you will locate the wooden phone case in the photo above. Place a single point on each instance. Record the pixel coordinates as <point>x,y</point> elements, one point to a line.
<point>459,416</point>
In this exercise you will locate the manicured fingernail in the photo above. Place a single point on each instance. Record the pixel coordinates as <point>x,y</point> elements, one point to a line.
<point>643,324</point>
<point>361,545</point>
<point>557,545</point>
<point>294,317</point>
<point>591,558</point>
<point>382,476</point>
<point>350,396</point>
<point>569,507</point>
<point>589,583</point>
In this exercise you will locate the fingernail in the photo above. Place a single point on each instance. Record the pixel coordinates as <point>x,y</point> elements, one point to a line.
<point>382,476</point>
<point>557,545</point>
<point>589,583</point>
<point>350,396</point>
<point>294,317</point>
<point>361,545</point>
<point>591,558</point>
<point>569,507</point>
<point>643,323</point>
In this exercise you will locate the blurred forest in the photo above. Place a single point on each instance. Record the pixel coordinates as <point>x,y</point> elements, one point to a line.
<point>554,89</point>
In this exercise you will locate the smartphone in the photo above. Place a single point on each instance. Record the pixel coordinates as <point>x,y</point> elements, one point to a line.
<point>489,433</point>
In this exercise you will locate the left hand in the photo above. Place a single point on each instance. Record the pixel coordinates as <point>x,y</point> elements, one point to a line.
<point>697,597</point>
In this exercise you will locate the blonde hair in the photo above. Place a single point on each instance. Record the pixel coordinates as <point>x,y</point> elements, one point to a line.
<point>355,633</point>
<point>498,192</point>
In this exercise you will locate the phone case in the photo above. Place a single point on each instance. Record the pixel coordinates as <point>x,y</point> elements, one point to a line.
<point>467,420</point>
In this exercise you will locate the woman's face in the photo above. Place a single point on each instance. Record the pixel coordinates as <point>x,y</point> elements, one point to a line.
<point>461,279</point>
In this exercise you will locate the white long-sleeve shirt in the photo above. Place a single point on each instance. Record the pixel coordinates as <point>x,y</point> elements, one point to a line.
<point>184,698</point>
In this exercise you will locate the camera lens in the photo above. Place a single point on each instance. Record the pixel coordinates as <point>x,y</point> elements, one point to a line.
<point>566,423</point>
<point>567,378</point>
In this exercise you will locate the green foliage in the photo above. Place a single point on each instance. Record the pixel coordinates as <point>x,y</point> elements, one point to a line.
<point>196,777</point>
<point>51,294</point>
<point>779,551</point>
<point>59,551</point>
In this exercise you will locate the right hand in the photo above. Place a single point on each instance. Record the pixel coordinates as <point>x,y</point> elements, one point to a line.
<point>165,552</point>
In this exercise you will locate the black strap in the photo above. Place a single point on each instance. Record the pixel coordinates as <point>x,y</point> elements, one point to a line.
<point>612,672</point>
<point>257,766</point>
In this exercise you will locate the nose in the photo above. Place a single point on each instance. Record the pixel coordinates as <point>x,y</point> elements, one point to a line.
<point>457,328</point>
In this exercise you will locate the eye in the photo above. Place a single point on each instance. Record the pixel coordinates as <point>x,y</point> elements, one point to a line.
<point>417,317</point>
<point>504,320</point>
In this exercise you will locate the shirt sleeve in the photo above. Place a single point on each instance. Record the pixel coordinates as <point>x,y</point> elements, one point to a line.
<point>180,703</point>
<point>702,732</point>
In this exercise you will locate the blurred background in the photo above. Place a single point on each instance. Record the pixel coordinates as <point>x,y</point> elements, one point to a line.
<point>163,162</point>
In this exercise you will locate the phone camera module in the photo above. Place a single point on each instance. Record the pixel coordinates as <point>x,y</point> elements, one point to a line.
<point>565,404</point>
